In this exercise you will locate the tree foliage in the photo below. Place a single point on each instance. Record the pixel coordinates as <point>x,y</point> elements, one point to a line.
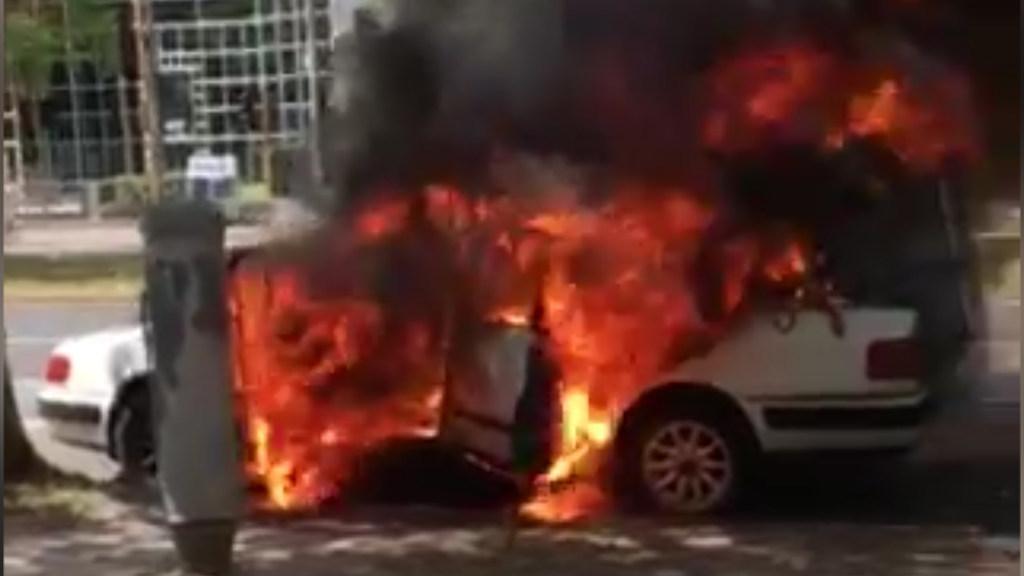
<point>31,47</point>
<point>37,37</point>
<point>93,32</point>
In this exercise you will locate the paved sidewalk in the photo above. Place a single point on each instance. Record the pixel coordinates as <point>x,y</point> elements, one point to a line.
<point>79,238</point>
<point>949,511</point>
<point>437,543</point>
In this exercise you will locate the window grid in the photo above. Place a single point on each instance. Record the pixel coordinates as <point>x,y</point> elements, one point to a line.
<point>93,130</point>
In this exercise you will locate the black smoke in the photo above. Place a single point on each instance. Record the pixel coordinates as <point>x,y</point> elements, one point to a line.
<point>431,90</point>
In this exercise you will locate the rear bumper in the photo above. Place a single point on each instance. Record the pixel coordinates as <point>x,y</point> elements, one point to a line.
<point>72,420</point>
<point>81,414</point>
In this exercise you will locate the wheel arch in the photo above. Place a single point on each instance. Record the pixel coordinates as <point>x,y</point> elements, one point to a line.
<point>665,396</point>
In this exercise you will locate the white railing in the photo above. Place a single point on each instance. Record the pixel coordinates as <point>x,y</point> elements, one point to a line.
<point>14,163</point>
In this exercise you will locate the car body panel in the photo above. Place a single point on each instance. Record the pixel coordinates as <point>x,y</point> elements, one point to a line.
<point>759,361</point>
<point>795,376</point>
<point>480,407</point>
<point>62,410</point>
<point>808,368</point>
<point>102,363</point>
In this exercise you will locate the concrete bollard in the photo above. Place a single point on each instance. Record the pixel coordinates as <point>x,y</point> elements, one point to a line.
<point>198,453</point>
<point>91,202</point>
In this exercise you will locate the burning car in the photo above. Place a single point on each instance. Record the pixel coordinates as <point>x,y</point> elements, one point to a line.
<point>739,222</point>
<point>791,378</point>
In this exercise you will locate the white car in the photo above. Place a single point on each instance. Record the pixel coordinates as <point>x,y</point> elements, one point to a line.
<point>781,383</point>
<point>95,393</point>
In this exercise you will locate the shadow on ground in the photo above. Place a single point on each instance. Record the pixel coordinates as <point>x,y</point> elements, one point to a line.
<point>418,510</point>
<point>416,541</point>
<point>889,491</point>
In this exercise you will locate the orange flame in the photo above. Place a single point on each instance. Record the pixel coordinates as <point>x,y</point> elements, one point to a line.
<point>321,381</point>
<point>382,219</point>
<point>794,92</point>
<point>296,356</point>
<point>764,91</point>
<point>790,264</point>
<point>915,125</point>
<point>303,426</point>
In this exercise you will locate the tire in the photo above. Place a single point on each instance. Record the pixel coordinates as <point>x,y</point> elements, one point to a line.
<point>689,460</point>
<point>131,434</point>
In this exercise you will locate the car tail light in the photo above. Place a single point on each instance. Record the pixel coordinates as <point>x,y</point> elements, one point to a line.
<point>897,359</point>
<point>58,369</point>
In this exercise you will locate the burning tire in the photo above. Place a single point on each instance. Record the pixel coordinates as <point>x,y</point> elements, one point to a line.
<point>685,460</point>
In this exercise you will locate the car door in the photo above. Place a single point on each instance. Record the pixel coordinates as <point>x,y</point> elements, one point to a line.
<point>480,401</point>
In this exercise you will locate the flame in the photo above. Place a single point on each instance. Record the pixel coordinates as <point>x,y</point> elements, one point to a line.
<point>304,426</point>
<point>382,219</point>
<point>514,316</point>
<point>582,432</point>
<point>796,93</point>
<point>309,371</point>
<point>615,275</point>
<point>568,504</point>
<point>561,496</point>
<point>327,369</point>
<point>759,94</point>
<point>912,123</point>
<point>875,113</point>
<point>789,264</point>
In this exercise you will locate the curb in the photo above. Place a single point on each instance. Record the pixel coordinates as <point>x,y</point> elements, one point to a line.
<point>40,294</point>
<point>67,299</point>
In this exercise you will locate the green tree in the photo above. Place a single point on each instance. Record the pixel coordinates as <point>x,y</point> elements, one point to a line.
<point>38,35</point>
<point>91,28</point>
<point>31,48</point>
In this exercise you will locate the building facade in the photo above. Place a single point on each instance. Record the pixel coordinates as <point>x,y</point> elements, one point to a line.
<point>233,76</point>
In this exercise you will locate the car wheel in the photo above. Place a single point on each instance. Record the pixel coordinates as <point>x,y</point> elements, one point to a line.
<point>132,434</point>
<point>686,461</point>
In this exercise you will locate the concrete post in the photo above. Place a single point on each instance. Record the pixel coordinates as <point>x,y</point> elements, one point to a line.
<point>198,453</point>
<point>91,201</point>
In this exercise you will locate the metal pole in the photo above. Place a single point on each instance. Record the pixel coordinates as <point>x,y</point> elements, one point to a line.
<point>126,130</point>
<point>71,62</point>
<point>3,206</point>
<point>266,152</point>
<point>315,168</point>
<point>106,164</point>
<point>16,179</point>
<point>264,93</point>
<point>148,103</point>
<point>198,450</point>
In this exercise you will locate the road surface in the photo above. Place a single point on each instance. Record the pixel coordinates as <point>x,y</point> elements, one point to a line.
<point>32,331</point>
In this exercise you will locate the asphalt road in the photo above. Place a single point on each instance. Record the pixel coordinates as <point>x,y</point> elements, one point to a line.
<point>966,470</point>
<point>33,329</point>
